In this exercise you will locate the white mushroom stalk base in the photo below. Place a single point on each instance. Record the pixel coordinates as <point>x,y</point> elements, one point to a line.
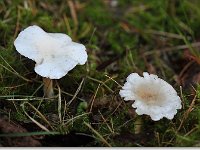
<point>48,88</point>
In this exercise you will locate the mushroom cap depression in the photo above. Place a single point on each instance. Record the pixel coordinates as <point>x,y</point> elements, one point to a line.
<point>55,54</point>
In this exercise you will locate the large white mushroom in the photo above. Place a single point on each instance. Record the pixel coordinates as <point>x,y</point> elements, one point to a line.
<point>55,54</point>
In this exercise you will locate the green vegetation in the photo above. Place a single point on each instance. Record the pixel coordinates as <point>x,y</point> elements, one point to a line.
<point>157,36</point>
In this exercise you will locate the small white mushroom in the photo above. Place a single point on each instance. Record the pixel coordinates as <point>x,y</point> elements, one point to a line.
<point>151,95</point>
<point>54,53</point>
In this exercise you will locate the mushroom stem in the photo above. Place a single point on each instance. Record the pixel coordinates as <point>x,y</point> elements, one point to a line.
<point>48,87</point>
<point>138,125</point>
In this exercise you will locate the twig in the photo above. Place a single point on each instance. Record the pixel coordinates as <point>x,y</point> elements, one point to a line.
<point>39,113</point>
<point>69,94</point>
<point>187,113</point>
<point>33,120</point>
<point>17,23</point>
<point>74,118</point>
<point>105,121</point>
<point>166,34</point>
<point>59,103</point>
<point>92,102</point>
<point>16,73</point>
<point>101,138</point>
<point>77,91</point>
<point>180,47</point>
<point>101,82</point>
<point>111,78</point>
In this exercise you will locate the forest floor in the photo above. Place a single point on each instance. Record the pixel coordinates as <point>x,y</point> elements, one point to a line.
<point>161,37</point>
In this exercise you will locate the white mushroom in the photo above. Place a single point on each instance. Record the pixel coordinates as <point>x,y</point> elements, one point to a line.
<point>151,95</point>
<point>54,53</point>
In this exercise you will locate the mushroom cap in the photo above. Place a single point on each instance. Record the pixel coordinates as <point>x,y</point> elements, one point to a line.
<point>55,54</point>
<point>151,95</point>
